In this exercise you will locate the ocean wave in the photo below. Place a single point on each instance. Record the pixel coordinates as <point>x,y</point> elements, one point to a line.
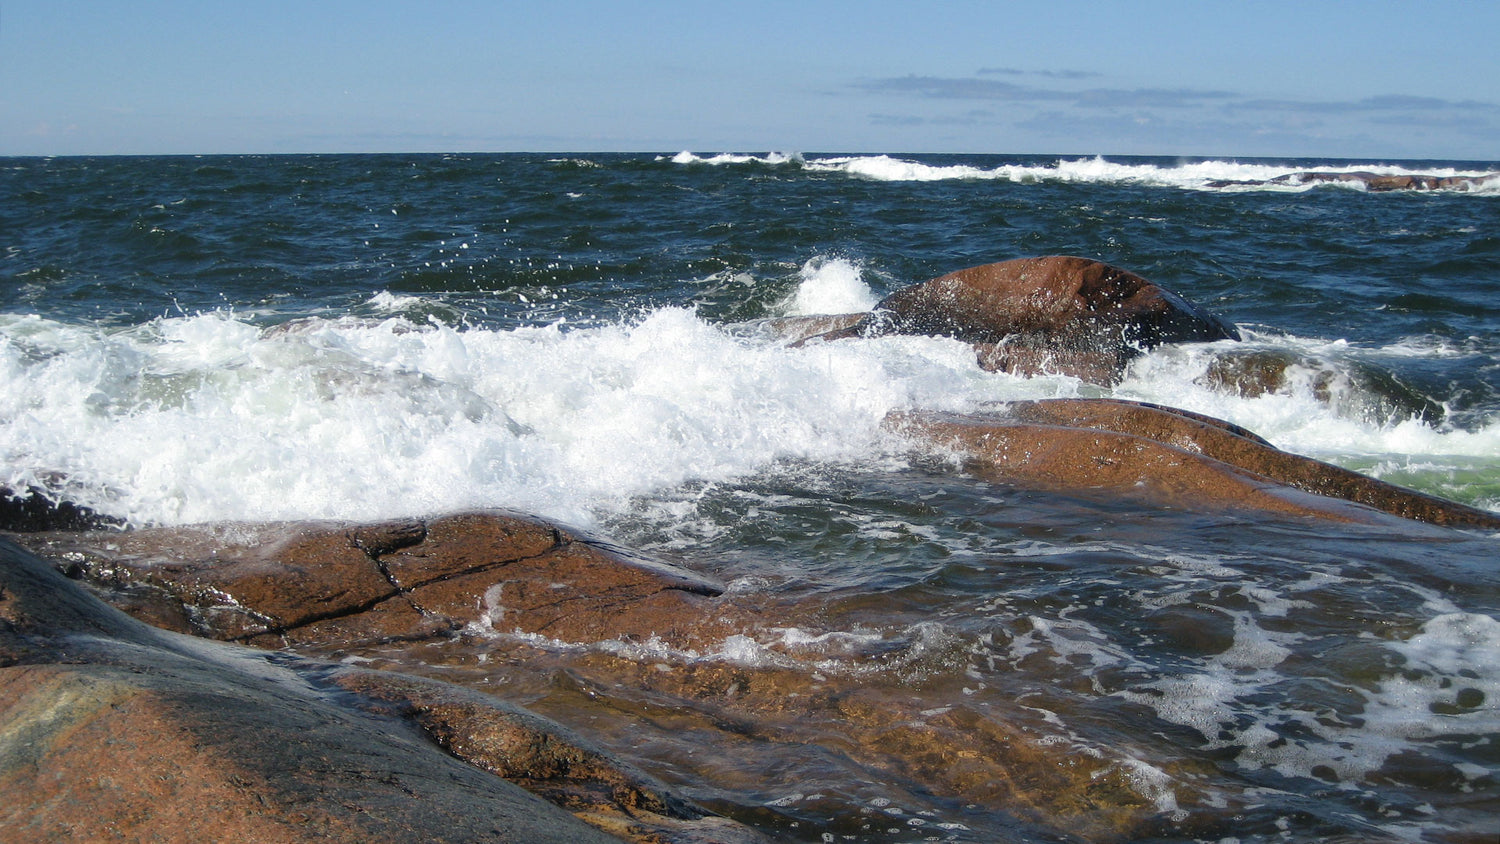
<point>209,417</point>
<point>1212,174</point>
<point>771,158</point>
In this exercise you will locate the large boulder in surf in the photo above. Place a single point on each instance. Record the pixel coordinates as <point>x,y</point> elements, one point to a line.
<point>1055,314</point>
<point>1171,457</point>
<point>323,582</point>
<point>110,729</point>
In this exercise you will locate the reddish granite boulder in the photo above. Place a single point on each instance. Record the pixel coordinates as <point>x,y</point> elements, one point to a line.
<point>1073,302</point>
<point>1056,314</point>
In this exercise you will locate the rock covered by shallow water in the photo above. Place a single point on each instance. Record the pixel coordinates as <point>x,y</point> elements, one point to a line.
<point>1168,456</point>
<point>957,753</point>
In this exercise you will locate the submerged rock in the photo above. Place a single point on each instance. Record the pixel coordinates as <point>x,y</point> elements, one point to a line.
<point>1055,314</point>
<point>1172,457</point>
<point>1361,390</point>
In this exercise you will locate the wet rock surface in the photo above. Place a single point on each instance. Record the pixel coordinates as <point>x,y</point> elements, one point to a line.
<point>33,509</point>
<point>1365,391</point>
<point>742,720</point>
<point>112,729</point>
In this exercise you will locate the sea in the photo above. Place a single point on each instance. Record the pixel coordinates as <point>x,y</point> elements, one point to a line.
<point>589,338</point>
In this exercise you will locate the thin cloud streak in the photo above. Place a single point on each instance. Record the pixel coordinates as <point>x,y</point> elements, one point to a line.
<point>1381,103</point>
<point>1037,115</point>
<point>1051,74</point>
<point>950,88</point>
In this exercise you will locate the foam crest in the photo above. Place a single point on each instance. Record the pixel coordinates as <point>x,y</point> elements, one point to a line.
<point>687,157</point>
<point>210,417</point>
<point>830,286</point>
<point>1212,174</point>
<point>1193,175</point>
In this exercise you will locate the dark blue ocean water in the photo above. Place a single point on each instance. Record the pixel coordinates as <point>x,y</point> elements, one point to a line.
<point>201,339</point>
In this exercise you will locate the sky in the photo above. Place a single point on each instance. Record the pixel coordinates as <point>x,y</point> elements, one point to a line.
<point>1303,78</point>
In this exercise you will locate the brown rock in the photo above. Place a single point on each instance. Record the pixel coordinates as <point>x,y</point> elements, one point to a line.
<point>1057,314</point>
<point>330,583</point>
<point>112,730</point>
<point>1072,302</point>
<point>1175,457</point>
<point>519,745</point>
<point>236,581</point>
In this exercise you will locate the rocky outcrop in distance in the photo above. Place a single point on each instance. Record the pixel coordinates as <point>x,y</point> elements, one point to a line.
<point>1378,182</point>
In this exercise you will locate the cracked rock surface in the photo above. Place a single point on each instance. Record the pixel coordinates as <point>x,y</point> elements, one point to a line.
<point>288,583</point>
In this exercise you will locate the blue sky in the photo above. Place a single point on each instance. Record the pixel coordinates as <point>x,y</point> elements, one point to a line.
<point>1305,78</point>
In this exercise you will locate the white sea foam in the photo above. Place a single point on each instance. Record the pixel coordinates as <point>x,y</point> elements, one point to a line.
<point>1190,175</point>
<point>687,157</point>
<point>1322,410</point>
<point>386,302</point>
<point>210,417</point>
<point>207,418</point>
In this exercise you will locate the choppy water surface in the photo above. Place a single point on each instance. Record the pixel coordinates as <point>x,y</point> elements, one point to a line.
<point>201,339</point>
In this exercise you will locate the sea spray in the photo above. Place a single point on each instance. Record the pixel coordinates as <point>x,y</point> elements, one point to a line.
<point>209,418</point>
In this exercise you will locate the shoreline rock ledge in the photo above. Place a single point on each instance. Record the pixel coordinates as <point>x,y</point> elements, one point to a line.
<point>112,729</point>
